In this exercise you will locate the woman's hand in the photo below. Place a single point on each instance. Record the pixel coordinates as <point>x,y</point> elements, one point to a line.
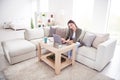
<point>70,41</point>
<point>67,41</point>
<point>63,40</point>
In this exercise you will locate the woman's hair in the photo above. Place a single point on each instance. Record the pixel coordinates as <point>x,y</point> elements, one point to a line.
<point>71,21</point>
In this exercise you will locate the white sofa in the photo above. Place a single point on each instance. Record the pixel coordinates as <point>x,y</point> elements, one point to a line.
<point>96,58</point>
<point>17,50</point>
<point>15,47</point>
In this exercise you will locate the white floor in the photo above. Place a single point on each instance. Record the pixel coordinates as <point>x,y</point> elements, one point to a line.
<point>113,68</point>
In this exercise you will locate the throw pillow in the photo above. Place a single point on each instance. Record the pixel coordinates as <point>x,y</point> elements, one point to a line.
<point>82,35</point>
<point>88,39</point>
<point>36,33</point>
<point>61,31</point>
<point>99,39</point>
<point>52,31</point>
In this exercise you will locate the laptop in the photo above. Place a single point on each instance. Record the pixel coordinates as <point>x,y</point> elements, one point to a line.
<point>58,42</point>
<point>57,39</point>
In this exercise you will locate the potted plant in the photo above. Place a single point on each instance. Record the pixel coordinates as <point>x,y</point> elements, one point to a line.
<point>32,25</point>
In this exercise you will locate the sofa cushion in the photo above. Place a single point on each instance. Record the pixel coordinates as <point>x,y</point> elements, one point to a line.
<point>88,39</point>
<point>36,33</point>
<point>88,52</point>
<point>61,31</point>
<point>18,47</point>
<point>52,31</point>
<point>99,39</point>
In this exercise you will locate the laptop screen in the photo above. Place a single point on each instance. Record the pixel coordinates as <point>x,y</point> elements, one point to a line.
<point>57,39</point>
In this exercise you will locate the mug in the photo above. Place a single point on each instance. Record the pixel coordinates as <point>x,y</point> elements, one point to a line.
<point>45,39</point>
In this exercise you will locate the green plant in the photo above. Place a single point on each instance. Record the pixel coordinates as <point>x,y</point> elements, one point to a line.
<point>32,25</point>
<point>43,14</point>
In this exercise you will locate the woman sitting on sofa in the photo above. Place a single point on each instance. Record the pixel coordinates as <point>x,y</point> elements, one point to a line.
<point>73,35</point>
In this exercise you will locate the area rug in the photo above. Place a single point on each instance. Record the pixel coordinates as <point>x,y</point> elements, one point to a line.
<point>34,70</point>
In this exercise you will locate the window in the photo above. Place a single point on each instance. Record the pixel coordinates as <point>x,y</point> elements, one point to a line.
<point>114,20</point>
<point>83,13</point>
<point>43,5</point>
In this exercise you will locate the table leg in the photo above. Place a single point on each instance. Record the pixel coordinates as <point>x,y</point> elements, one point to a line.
<point>73,55</point>
<point>39,51</point>
<point>57,63</point>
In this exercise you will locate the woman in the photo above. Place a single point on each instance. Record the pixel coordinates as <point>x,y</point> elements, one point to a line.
<point>73,35</point>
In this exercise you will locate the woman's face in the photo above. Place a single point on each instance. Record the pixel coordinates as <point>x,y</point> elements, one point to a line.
<point>72,26</point>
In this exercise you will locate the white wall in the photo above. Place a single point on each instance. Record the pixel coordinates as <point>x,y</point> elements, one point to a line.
<point>23,10</point>
<point>17,11</point>
<point>63,10</point>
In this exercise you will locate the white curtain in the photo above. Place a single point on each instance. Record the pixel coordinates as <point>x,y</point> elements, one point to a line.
<point>114,20</point>
<point>83,13</point>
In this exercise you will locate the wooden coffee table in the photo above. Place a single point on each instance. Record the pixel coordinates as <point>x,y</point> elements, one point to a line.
<point>57,64</point>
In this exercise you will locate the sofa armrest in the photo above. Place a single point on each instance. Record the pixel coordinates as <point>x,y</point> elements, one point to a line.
<point>105,52</point>
<point>6,52</point>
